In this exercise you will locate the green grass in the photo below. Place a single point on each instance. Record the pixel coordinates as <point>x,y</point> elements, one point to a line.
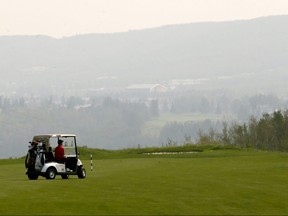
<point>211,182</point>
<point>142,152</point>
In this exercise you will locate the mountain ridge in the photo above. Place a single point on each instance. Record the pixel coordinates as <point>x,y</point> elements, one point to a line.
<point>154,55</point>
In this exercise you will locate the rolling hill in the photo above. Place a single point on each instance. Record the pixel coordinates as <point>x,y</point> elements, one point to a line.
<point>244,54</point>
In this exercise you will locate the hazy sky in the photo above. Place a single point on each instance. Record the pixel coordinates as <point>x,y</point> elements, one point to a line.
<point>59,18</point>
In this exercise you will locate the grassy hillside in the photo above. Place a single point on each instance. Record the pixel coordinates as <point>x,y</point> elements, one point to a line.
<point>210,181</point>
<point>148,152</point>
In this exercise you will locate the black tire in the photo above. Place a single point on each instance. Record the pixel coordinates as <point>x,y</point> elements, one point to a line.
<point>51,173</point>
<point>64,176</point>
<point>81,172</point>
<point>32,176</point>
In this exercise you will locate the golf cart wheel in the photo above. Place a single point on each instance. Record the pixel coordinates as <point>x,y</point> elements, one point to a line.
<point>81,173</point>
<point>64,176</point>
<point>51,173</point>
<point>32,176</point>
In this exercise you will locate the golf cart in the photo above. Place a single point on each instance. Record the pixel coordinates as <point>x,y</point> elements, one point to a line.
<point>40,160</point>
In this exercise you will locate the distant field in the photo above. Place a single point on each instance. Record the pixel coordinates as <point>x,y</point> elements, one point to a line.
<point>154,126</point>
<point>213,182</point>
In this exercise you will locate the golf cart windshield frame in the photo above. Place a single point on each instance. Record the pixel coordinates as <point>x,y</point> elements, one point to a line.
<point>45,139</point>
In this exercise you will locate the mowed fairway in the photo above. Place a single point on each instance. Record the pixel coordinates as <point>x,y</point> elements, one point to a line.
<point>208,183</point>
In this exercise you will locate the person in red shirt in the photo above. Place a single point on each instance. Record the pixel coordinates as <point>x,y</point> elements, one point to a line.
<point>59,152</point>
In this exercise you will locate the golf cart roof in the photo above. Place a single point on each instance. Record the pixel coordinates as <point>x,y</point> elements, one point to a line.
<point>45,139</point>
<point>54,135</point>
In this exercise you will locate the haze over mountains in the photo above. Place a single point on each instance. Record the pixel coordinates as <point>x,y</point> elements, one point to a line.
<point>225,70</point>
<point>247,56</point>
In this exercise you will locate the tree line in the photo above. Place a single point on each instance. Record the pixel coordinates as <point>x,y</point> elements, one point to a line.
<point>113,123</point>
<point>270,132</point>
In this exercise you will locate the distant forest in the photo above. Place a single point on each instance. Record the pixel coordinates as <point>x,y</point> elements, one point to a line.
<point>114,123</point>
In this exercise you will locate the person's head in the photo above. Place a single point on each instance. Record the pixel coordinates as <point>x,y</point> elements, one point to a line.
<point>60,142</point>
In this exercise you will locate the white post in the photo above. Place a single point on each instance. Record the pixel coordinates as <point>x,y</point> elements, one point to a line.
<point>91,163</point>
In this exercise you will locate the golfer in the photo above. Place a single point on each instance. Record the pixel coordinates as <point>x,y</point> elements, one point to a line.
<point>59,152</point>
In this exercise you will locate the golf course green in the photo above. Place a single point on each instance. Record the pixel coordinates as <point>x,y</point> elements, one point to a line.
<point>212,182</point>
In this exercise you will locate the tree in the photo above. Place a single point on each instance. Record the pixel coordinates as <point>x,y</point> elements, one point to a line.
<point>154,108</point>
<point>204,106</point>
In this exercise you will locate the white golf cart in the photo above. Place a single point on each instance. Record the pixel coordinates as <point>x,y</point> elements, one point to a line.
<point>40,160</point>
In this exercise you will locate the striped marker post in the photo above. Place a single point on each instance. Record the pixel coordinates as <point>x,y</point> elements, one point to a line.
<point>91,163</point>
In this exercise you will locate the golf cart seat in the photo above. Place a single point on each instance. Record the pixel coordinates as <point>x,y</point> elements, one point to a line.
<point>49,155</point>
